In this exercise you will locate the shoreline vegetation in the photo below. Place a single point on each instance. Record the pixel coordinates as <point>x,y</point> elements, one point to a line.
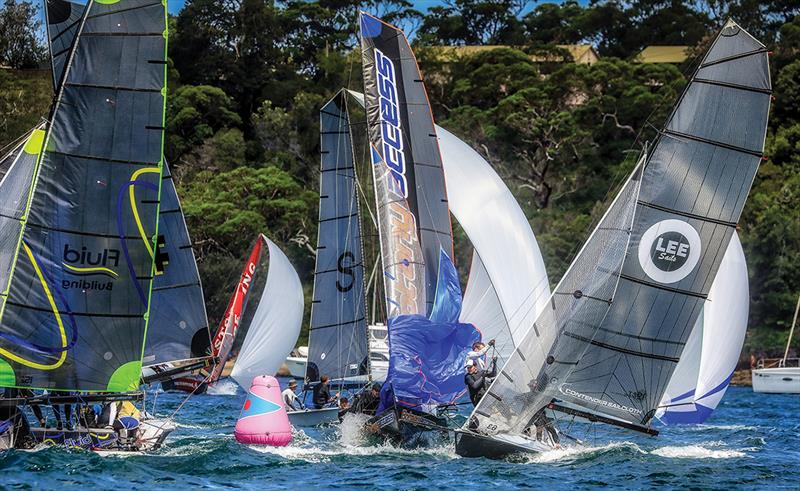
<point>560,121</point>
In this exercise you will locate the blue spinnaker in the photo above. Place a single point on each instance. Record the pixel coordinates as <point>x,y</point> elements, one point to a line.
<point>426,356</point>
<point>447,302</point>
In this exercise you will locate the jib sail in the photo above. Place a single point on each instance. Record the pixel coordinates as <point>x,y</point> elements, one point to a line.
<point>338,337</point>
<point>73,315</point>
<point>414,219</point>
<point>619,319</point>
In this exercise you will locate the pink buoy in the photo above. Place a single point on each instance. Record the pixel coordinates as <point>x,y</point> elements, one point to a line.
<point>263,419</point>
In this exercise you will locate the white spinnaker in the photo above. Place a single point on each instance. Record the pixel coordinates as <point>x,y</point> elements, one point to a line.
<point>481,307</point>
<point>722,330</point>
<point>503,240</point>
<point>275,327</point>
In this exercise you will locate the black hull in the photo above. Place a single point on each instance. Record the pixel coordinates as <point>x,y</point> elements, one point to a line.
<point>469,444</point>
<point>409,428</point>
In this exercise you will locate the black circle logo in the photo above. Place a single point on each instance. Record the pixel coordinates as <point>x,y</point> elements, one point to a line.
<point>670,251</point>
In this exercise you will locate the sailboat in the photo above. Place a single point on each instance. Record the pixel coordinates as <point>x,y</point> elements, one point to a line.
<point>178,338</point>
<point>77,244</point>
<point>274,326</point>
<point>605,347</point>
<point>780,376</point>
<point>712,351</point>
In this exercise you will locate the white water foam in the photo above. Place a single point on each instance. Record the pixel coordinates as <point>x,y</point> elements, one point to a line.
<point>573,452</point>
<point>225,387</point>
<point>696,452</point>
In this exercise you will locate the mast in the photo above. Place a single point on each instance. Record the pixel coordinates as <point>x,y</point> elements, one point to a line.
<point>619,319</point>
<point>791,331</point>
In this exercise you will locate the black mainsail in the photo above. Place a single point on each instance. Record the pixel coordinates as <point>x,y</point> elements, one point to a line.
<point>74,311</point>
<point>338,344</point>
<point>413,215</point>
<point>178,322</point>
<point>619,319</point>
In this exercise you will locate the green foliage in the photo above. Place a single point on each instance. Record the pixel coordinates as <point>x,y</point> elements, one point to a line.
<point>247,79</point>
<point>20,45</point>
<point>25,98</point>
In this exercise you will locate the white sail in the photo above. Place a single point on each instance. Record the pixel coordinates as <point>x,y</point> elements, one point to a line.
<point>691,400</point>
<point>275,327</point>
<point>503,240</point>
<point>481,307</point>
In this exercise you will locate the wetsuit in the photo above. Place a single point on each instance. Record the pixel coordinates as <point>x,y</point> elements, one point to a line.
<point>322,395</point>
<point>478,383</point>
<point>367,403</point>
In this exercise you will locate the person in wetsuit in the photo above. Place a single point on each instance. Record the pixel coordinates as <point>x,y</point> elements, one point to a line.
<point>322,393</point>
<point>368,401</point>
<point>477,380</point>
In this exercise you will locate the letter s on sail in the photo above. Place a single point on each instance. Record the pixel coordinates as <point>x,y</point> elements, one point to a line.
<point>347,269</point>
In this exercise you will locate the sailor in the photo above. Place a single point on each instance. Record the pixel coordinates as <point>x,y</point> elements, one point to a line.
<point>477,380</point>
<point>344,407</point>
<point>289,396</point>
<point>478,353</point>
<point>322,393</point>
<point>368,401</point>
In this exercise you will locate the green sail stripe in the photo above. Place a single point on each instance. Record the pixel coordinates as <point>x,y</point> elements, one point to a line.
<point>160,185</point>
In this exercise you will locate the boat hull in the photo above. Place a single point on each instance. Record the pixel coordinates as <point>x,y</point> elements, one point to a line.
<point>296,366</point>
<point>783,380</point>
<point>149,437</point>
<point>470,444</point>
<point>314,417</point>
<point>409,428</point>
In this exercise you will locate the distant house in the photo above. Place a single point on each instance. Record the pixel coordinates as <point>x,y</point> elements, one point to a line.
<point>663,54</point>
<point>581,53</point>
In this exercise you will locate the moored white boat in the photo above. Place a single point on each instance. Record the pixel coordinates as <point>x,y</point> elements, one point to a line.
<point>781,376</point>
<point>778,380</point>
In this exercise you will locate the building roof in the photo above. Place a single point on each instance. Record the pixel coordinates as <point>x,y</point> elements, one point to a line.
<point>663,54</point>
<point>581,53</point>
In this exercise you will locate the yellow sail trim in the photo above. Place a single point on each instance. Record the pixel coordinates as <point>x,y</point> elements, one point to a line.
<point>56,313</point>
<point>132,194</point>
<point>98,269</point>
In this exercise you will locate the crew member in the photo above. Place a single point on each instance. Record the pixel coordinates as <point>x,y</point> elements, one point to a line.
<point>368,401</point>
<point>478,353</point>
<point>289,396</point>
<point>322,393</point>
<point>477,380</point>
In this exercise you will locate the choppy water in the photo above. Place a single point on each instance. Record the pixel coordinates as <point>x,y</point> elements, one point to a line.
<point>751,441</point>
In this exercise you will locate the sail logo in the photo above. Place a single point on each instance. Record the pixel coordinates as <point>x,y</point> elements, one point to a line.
<point>391,131</point>
<point>566,390</point>
<point>84,262</point>
<point>669,250</point>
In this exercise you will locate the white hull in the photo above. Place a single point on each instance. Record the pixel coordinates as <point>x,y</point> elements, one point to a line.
<point>296,366</point>
<point>784,380</point>
<point>314,417</point>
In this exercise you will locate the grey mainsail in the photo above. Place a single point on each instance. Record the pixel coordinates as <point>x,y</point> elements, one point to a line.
<point>63,18</point>
<point>178,321</point>
<point>74,312</point>
<point>338,344</point>
<point>619,319</point>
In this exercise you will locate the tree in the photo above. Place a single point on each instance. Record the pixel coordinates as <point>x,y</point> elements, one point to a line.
<point>20,45</point>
